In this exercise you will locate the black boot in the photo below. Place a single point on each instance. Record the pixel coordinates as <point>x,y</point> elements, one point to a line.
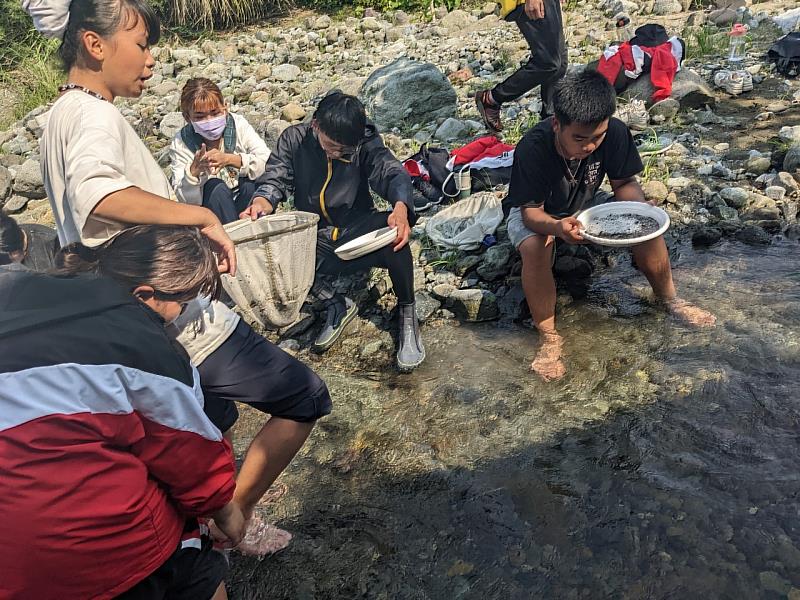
<point>410,351</point>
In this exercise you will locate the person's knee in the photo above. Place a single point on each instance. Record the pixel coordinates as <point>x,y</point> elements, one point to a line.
<point>215,188</point>
<point>535,253</point>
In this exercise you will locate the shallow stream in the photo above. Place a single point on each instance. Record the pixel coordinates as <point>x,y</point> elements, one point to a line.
<point>666,464</point>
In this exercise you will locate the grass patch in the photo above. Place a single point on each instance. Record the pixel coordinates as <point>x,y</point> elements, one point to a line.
<point>514,131</point>
<point>705,41</point>
<point>31,70</point>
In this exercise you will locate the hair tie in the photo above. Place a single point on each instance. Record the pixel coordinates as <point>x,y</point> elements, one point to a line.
<point>50,17</point>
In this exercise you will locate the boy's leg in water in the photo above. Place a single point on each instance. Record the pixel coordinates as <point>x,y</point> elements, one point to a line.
<point>537,253</point>
<point>540,292</point>
<point>652,259</point>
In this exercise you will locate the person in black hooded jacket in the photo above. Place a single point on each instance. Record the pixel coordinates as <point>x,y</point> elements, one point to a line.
<point>329,167</point>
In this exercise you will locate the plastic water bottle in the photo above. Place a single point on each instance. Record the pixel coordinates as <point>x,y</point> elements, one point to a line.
<point>737,43</point>
<point>624,28</point>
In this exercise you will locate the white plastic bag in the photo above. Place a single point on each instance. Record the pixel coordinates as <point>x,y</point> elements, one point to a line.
<point>464,224</point>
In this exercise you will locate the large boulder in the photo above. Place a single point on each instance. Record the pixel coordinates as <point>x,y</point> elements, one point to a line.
<point>688,88</point>
<point>408,92</point>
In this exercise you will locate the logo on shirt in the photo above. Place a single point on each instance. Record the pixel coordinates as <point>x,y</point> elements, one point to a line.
<point>592,174</point>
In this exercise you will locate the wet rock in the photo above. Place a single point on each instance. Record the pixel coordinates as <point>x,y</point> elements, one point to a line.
<point>708,236</point>
<point>425,305</point>
<point>753,235</point>
<point>688,88</point>
<point>406,93</point>
<point>171,124</point>
<point>5,183</point>
<point>761,208</point>
<point>494,262</point>
<point>572,267</point>
<point>654,191</point>
<point>473,305</point>
<point>734,196</point>
<point>293,112</point>
<point>724,213</point>
<point>513,304</point>
<point>28,180</point>
<point>286,72</point>
<point>451,129</point>
<point>15,204</point>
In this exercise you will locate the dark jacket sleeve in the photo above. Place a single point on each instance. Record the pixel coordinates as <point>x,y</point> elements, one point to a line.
<point>277,182</point>
<point>387,176</point>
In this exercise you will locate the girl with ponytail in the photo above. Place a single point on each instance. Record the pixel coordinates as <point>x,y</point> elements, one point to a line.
<point>100,178</point>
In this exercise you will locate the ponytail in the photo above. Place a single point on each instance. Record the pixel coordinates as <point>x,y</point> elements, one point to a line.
<point>12,239</point>
<point>176,261</point>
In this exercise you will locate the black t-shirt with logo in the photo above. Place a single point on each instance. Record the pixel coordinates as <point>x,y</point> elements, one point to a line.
<point>540,175</point>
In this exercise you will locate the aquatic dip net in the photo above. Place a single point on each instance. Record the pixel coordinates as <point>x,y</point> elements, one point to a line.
<point>276,257</point>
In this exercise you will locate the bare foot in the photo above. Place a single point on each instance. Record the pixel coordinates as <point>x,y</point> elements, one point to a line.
<point>263,538</point>
<point>691,314</point>
<point>548,364</point>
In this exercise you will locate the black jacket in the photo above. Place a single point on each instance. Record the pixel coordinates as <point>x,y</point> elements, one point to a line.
<point>337,190</point>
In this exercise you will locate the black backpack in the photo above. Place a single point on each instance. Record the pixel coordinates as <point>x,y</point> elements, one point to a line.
<point>785,53</point>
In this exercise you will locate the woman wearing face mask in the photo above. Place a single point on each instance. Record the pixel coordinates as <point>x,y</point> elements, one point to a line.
<point>217,155</point>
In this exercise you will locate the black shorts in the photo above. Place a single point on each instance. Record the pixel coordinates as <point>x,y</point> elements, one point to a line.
<point>248,368</point>
<point>190,573</point>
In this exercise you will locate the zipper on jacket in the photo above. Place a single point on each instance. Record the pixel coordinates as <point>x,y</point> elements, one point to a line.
<point>322,200</point>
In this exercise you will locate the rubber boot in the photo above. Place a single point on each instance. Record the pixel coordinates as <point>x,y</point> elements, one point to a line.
<point>339,311</point>
<point>410,351</point>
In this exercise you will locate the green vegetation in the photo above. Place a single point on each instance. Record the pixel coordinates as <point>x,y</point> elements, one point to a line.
<point>514,130</point>
<point>28,67</point>
<point>704,41</point>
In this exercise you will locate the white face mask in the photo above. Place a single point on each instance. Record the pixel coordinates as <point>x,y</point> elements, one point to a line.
<point>211,129</point>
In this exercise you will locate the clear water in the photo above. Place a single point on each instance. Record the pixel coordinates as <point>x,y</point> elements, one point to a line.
<point>665,464</point>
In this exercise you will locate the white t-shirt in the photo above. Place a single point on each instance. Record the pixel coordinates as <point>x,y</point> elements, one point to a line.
<point>90,151</point>
<point>249,145</point>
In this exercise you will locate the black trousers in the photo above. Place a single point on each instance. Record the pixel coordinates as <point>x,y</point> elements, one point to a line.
<point>225,202</point>
<point>399,264</point>
<point>548,61</point>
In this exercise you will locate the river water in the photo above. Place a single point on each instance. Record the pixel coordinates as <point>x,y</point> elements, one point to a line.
<point>666,464</point>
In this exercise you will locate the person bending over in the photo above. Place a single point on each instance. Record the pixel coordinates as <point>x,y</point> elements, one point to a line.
<point>101,179</point>
<point>329,166</point>
<point>558,168</point>
<point>106,456</point>
<point>217,156</point>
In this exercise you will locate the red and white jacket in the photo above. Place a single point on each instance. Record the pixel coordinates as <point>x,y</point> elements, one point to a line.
<point>104,447</point>
<point>665,61</point>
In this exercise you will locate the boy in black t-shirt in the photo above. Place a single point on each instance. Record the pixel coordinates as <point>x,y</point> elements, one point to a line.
<point>558,168</point>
